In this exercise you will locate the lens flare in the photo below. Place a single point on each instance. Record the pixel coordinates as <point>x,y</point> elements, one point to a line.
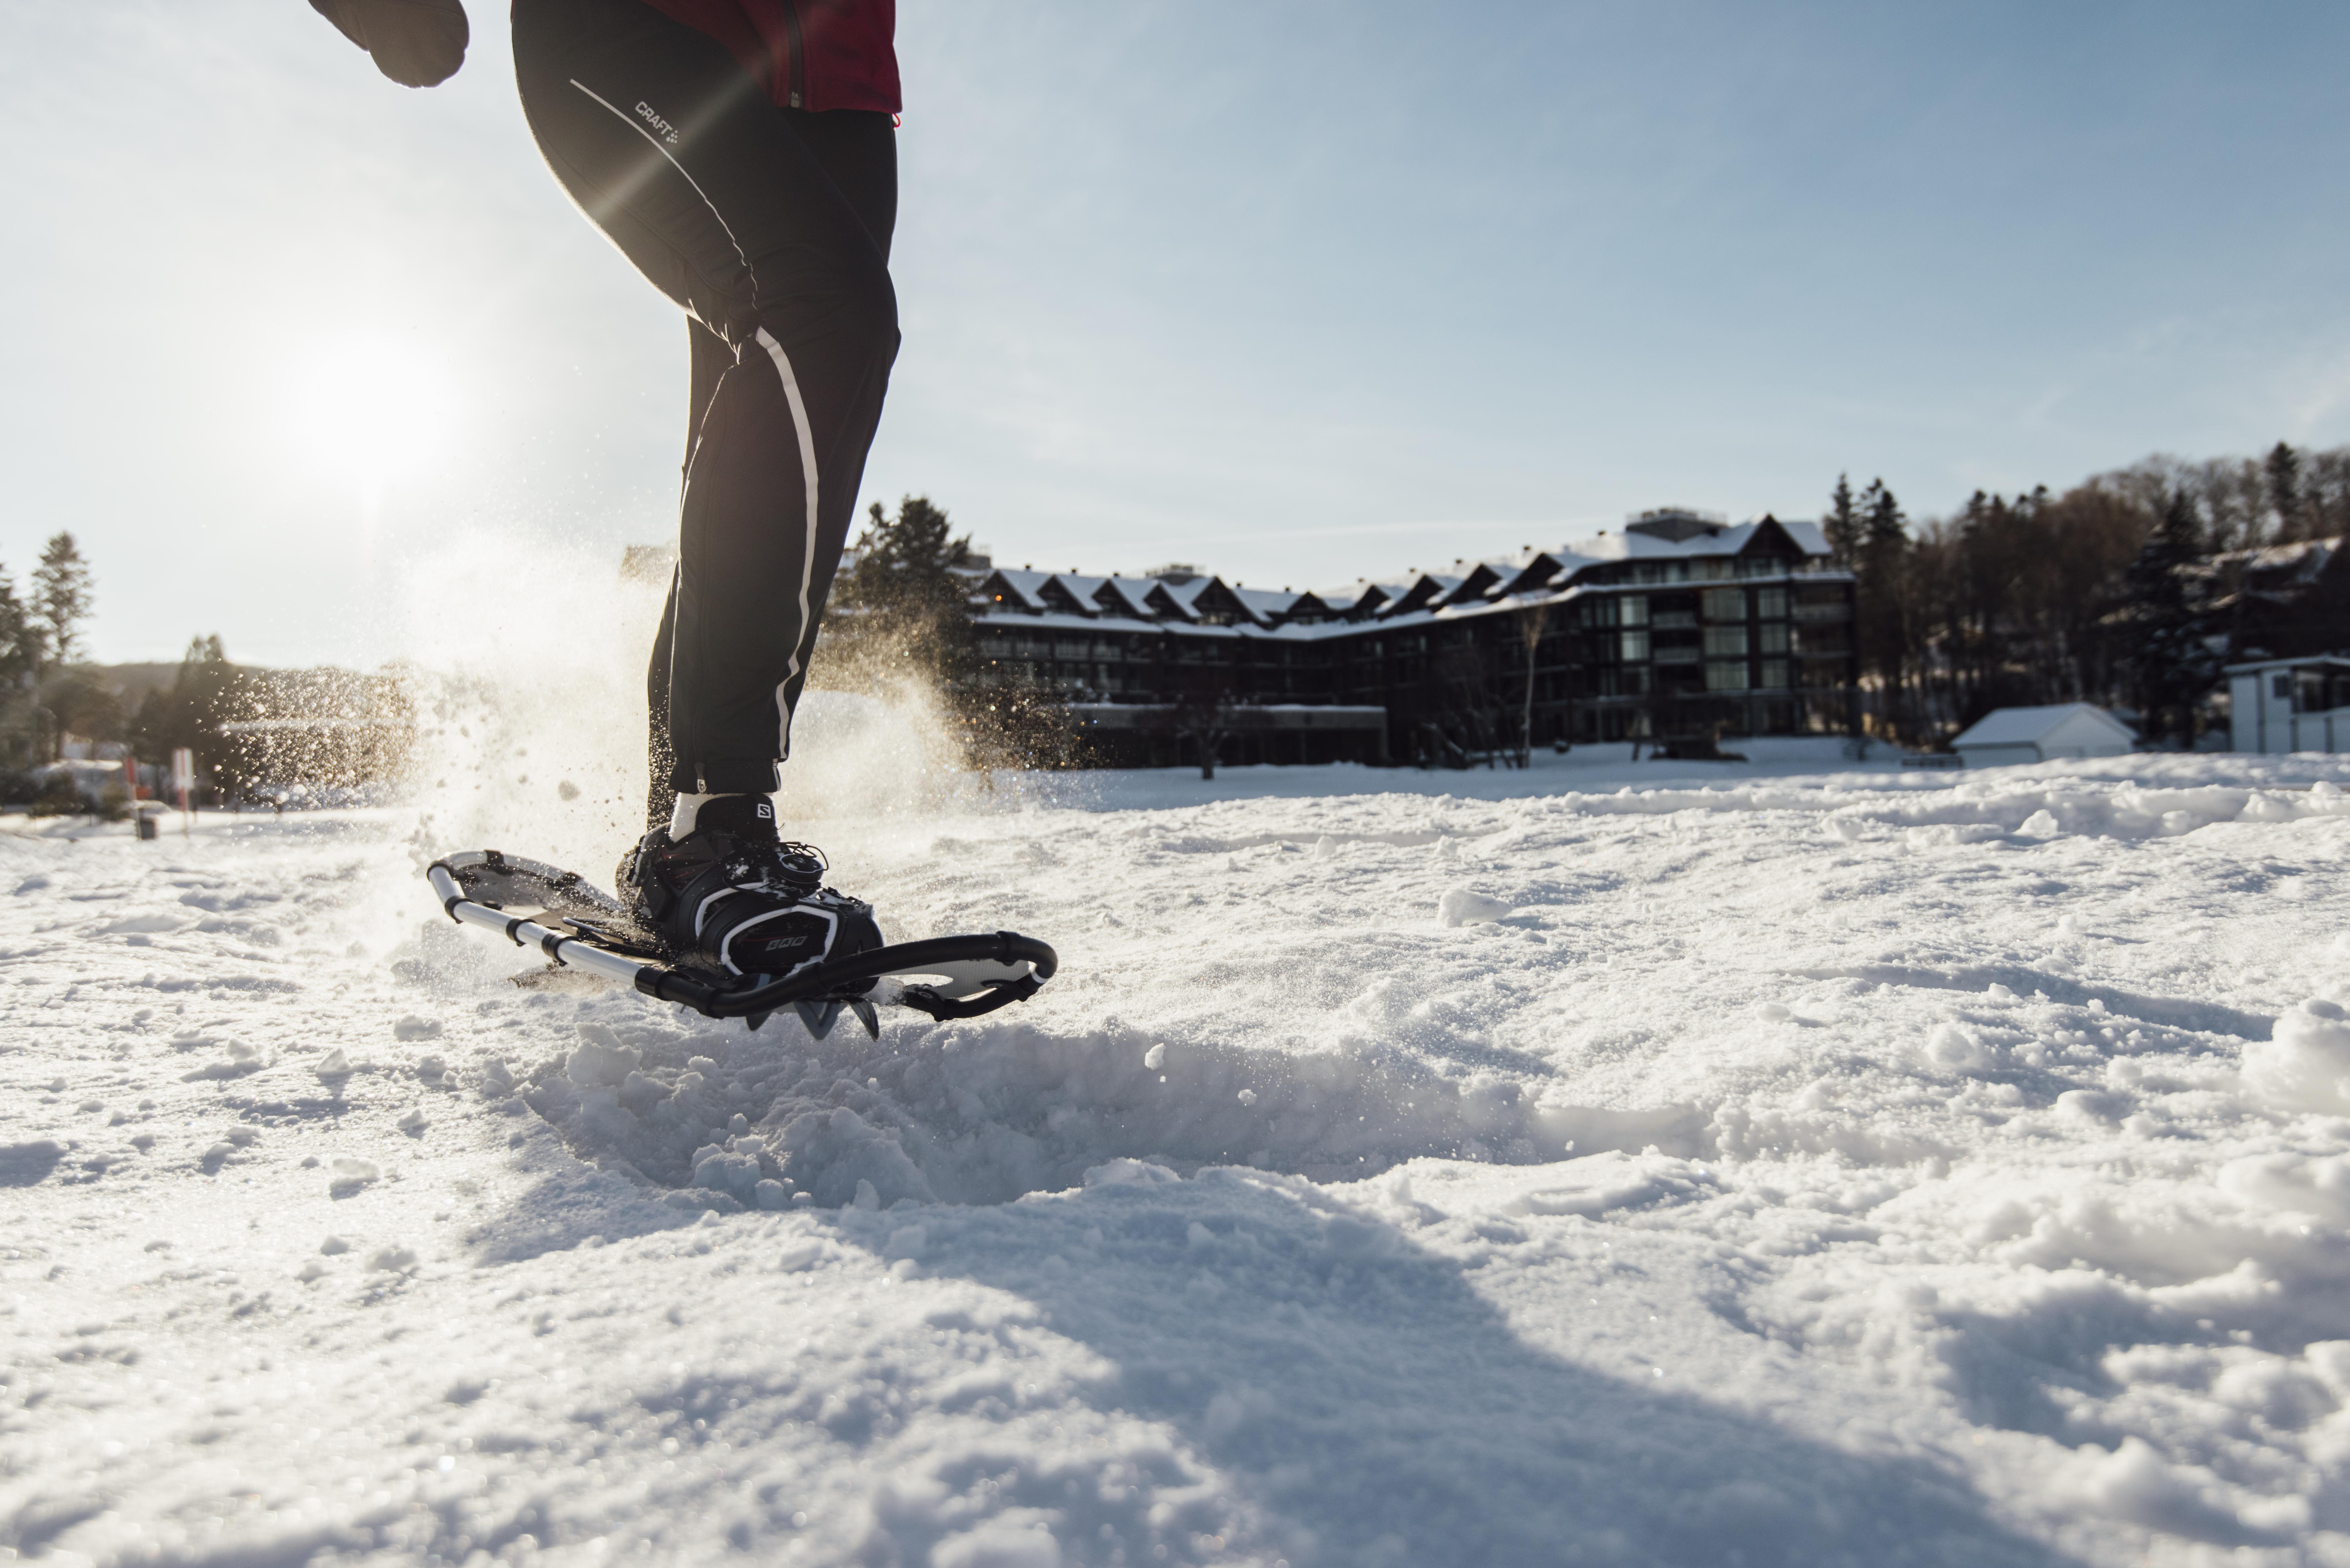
<point>373,409</point>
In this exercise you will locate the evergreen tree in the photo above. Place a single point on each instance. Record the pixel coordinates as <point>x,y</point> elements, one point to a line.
<point>21,643</point>
<point>1880,566</point>
<point>61,597</point>
<point>1884,526</point>
<point>901,606</point>
<point>2168,662</point>
<point>82,703</point>
<point>188,712</point>
<point>1841,522</point>
<point>2282,466</point>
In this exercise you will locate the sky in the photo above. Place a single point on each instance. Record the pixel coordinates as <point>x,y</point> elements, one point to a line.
<point>1298,290</point>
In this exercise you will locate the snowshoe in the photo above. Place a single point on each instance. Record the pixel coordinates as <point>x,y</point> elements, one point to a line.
<point>581,927</point>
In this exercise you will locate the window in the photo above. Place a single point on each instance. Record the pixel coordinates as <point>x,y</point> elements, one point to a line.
<point>1825,639</point>
<point>1771,604</point>
<point>1725,604</point>
<point>1771,639</point>
<point>1774,675</point>
<point>1726,677</point>
<point>1635,610</point>
<point>2281,687</point>
<point>1725,642</point>
<point>1635,646</point>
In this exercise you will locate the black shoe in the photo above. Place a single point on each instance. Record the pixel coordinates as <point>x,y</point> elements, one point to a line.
<point>734,894</point>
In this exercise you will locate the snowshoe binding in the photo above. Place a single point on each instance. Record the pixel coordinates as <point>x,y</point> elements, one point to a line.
<point>733,894</point>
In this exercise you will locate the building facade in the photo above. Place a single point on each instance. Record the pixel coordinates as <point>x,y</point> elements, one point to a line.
<point>2279,705</point>
<point>1680,629</point>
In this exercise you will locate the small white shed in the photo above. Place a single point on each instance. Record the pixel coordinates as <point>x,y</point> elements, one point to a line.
<point>2011,735</point>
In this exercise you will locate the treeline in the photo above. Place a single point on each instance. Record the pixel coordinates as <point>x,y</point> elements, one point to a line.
<point>2131,590</point>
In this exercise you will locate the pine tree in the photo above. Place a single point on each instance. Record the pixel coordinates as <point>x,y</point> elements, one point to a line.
<point>1880,562</point>
<point>902,607</point>
<point>1841,522</point>
<point>21,642</point>
<point>2282,466</point>
<point>61,597</point>
<point>188,712</point>
<point>2168,662</point>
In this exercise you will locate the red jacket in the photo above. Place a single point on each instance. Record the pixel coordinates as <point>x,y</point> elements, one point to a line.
<point>808,54</point>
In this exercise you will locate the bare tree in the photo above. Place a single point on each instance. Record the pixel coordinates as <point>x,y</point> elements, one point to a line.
<point>1531,621</point>
<point>1203,714</point>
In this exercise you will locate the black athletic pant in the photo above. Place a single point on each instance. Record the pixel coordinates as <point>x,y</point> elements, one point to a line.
<point>771,227</point>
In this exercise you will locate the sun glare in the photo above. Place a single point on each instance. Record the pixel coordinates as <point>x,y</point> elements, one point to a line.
<point>373,409</point>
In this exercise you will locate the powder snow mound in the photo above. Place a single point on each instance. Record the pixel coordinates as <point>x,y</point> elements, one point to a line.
<point>2306,1064</point>
<point>1466,907</point>
<point>1603,1183</point>
<point>988,1111</point>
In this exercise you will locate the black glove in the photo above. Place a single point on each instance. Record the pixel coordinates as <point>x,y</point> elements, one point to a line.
<point>416,43</point>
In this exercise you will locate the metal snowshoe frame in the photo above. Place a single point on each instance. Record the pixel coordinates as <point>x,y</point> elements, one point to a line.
<point>951,977</point>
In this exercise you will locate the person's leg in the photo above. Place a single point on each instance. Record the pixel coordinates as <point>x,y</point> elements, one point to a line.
<point>760,221</point>
<point>708,357</point>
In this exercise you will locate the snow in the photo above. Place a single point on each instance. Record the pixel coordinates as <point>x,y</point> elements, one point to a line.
<point>1800,1161</point>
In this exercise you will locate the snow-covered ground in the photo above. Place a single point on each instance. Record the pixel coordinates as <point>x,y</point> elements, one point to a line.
<point>1607,1163</point>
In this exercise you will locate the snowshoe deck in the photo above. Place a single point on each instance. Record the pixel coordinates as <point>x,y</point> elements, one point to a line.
<point>580,926</point>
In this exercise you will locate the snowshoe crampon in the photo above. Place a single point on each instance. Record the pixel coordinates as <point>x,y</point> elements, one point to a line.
<point>578,925</point>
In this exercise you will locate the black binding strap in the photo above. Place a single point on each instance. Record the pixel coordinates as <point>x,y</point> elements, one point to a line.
<point>922,999</point>
<point>854,975</point>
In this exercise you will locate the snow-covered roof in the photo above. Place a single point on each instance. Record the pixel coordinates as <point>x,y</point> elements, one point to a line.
<point>1186,594</point>
<point>1024,586</point>
<point>2295,564</point>
<point>1345,598</point>
<point>2029,726</point>
<point>2307,661</point>
<point>1472,587</point>
<point>1266,603</point>
<point>1129,596</point>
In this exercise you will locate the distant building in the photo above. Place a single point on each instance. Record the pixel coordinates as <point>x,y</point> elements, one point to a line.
<point>1680,626</point>
<point>2290,704</point>
<point>2011,735</point>
<point>2278,601</point>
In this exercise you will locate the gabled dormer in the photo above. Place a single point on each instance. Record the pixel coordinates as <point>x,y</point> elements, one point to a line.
<point>1539,574</point>
<point>1303,609</point>
<point>1770,541</point>
<point>1164,605</point>
<point>1014,592</point>
<point>1212,603</point>
<point>1359,600</point>
<point>1423,594</point>
<point>1268,606</point>
<point>1481,580</point>
<point>1057,597</point>
<point>1125,597</point>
